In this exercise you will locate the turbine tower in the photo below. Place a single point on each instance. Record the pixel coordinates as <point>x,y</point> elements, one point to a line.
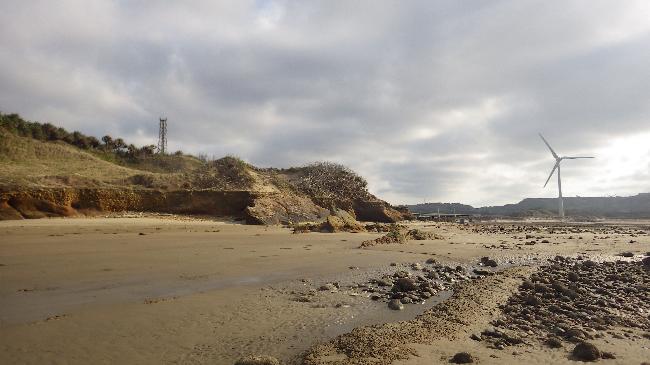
<point>558,159</point>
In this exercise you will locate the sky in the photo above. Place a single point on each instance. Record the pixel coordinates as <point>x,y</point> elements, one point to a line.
<point>428,100</point>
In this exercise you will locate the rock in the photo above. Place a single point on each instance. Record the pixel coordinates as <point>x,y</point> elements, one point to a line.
<point>627,254</point>
<point>433,261</point>
<point>462,358</point>
<point>402,274</point>
<point>589,264</point>
<point>482,272</point>
<point>258,360</point>
<point>328,286</point>
<point>553,342</point>
<point>572,276</point>
<point>533,300</point>
<point>405,284</point>
<point>488,262</point>
<point>395,304</point>
<point>475,337</point>
<point>646,261</point>
<point>607,355</point>
<point>416,266</point>
<point>586,351</point>
<point>384,282</point>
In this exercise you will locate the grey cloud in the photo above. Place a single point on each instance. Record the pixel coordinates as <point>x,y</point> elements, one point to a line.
<point>437,101</point>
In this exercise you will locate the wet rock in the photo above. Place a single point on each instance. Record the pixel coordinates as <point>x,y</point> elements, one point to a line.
<point>395,304</point>
<point>586,351</point>
<point>462,358</point>
<point>258,360</point>
<point>404,284</point>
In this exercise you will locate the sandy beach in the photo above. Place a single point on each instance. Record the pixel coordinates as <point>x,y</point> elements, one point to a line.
<point>177,290</point>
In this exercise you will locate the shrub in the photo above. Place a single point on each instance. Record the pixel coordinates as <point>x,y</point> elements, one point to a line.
<point>332,181</point>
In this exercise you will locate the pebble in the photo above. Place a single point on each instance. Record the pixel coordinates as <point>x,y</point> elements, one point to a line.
<point>395,304</point>
<point>328,286</point>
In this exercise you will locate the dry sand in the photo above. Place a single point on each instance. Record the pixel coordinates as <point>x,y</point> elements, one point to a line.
<point>162,290</point>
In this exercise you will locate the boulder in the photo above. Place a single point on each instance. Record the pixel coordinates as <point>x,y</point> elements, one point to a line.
<point>462,358</point>
<point>586,351</point>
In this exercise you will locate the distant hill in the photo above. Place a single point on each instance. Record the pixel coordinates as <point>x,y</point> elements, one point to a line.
<point>637,206</point>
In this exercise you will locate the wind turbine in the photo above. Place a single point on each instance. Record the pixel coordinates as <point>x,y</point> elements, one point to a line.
<point>559,159</point>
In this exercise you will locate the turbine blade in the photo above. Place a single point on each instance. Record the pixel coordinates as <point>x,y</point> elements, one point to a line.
<point>549,146</point>
<point>551,175</point>
<point>576,157</point>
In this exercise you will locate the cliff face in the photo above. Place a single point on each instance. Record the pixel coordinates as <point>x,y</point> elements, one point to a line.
<point>65,202</point>
<point>253,207</point>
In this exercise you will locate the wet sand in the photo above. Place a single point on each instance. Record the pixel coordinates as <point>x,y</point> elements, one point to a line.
<point>163,290</point>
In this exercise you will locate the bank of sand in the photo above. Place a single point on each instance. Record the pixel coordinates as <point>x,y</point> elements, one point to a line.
<point>163,290</point>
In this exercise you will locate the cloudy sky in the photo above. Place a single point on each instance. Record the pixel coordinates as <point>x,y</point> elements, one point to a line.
<point>429,100</point>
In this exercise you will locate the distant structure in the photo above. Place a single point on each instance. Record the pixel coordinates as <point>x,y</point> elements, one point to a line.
<point>162,136</point>
<point>558,159</point>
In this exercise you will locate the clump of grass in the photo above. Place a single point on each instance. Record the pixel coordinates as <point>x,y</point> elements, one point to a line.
<point>228,173</point>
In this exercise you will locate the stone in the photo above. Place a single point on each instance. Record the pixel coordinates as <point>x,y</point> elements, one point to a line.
<point>553,342</point>
<point>488,262</point>
<point>572,276</point>
<point>607,355</point>
<point>462,358</point>
<point>328,286</point>
<point>646,261</point>
<point>395,304</point>
<point>384,282</point>
<point>586,351</point>
<point>405,284</point>
<point>402,274</point>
